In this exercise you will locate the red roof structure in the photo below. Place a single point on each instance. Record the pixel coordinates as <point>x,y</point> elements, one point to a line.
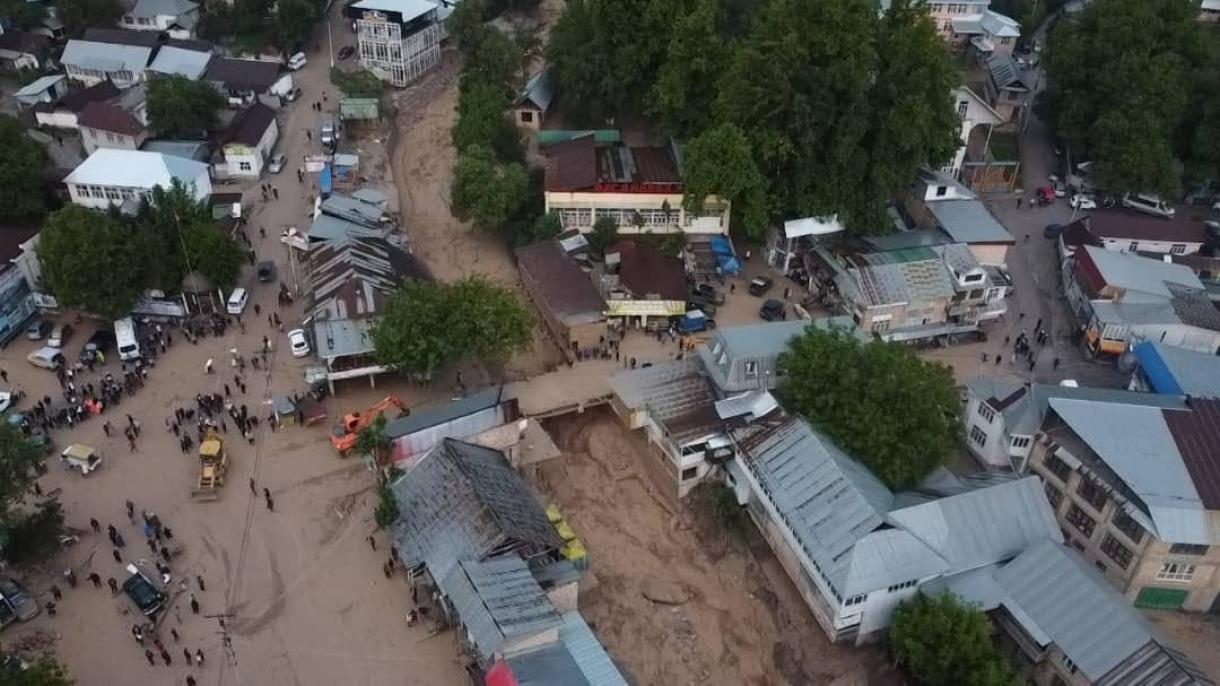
<point>107,117</point>
<point>1197,435</point>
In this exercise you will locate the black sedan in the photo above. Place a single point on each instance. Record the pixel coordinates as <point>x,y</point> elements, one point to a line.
<point>772,310</point>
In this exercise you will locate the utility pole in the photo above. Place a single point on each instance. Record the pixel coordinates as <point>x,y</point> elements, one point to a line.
<point>226,641</point>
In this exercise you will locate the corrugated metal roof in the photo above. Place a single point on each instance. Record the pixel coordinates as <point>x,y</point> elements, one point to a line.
<point>135,169</point>
<point>969,221</point>
<point>588,652</point>
<point>1023,416</point>
<point>439,413</point>
<point>460,502</point>
<point>37,86</point>
<point>1158,665</point>
<point>549,666</point>
<point>354,209</point>
<point>107,57</point>
<point>1075,607</point>
<point>1005,73</point>
<point>539,90</point>
<point>1135,273</point>
<point>326,228</point>
<point>498,600</point>
<point>188,63</point>
<point>407,9</point>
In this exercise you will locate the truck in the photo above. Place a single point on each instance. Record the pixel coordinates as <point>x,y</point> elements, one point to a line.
<point>344,436</point>
<point>213,464</point>
<point>695,321</point>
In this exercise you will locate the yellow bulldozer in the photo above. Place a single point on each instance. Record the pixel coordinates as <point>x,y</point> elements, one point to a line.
<point>213,463</point>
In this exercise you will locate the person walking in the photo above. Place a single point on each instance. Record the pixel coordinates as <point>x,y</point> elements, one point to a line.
<point>190,680</point>
<point>131,510</point>
<point>194,605</point>
<point>165,656</point>
<point>117,556</point>
<point>95,525</point>
<point>174,632</point>
<point>199,580</point>
<point>186,653</point>
<point>114,586</point>
<point>270,503</point>
<point>207,366</point>
<point>148,655</point>
<point>372,542</point>
<point>198,657</point>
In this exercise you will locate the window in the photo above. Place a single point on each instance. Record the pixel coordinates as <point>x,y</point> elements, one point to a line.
<point>986,413</point>
<point>1176,571</point>
<point>689,473</point>
<point>1083,522</point>
<point>244,166</point>
<point>1092,494</point>
<point>113,193</point>
<point>1067,662</point>
<point>527,117</point>
<point>1116,551</point>
<point>978,436</point>
<point>1006,41</point>
<point>1177,249</point>
<point>1134,246</point>
<point>942,191</point>
<point>962,108</point>
<point>1020,442</point>
<point>1058,467</point>
<point>112,137</point>
<point>856,600</point>
<point>1054,495</point>
<point>1130,528</point>
<point>1100,567</point>
<point>881,326</point>
<point>1187,549</point>
<point>905,584</point>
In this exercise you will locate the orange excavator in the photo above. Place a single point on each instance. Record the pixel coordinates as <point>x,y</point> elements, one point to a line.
<point>344,436</point>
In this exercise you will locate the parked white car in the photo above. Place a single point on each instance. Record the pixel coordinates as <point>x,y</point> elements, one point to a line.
<point>1148,203</point>
<point>298,343</point>
<point>277,163</point>
<point>1083,202</point>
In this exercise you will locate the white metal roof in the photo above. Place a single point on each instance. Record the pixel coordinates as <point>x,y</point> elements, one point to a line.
<point>188,63</point>
<point>407,9</point>
<point>106,56</point>
<point>40,85</point>
<point>812,226</point>
<point>135,169</point>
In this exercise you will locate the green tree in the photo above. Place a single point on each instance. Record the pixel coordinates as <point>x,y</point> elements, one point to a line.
<point>46,671</point>
<point>18,460</point>
<point>428,326</point>
<point>544,228</point>
<point>373,441</point>
<point>172,221</point>
<point>214,255</point>
<point>294,21</point>
<point>607,52</point>
<point>486,192</point>
<point>79,15</point>
<point>23,15</point>
<point>75,241</point>
<point>387,508</point>
<point>896,413</point>
<point>696,56</point>
<point>720,162</point>
<point>21,172</point>
<point>482,119</point>
<point>178,106</point>
<point>938,640</point>
<point>1118,77</point>
<point>605,230</point>
<point>804,86</point>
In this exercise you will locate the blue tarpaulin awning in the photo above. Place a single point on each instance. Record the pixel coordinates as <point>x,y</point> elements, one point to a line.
<point>1156,371</point>
<point>325,184</point>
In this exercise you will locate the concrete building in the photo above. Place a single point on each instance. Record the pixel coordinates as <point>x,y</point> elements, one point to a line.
<point>462,418</point>
<point>173,61</point>
<point>250,140</point>
<point>244,82</point>
<point>1170,370</point>
<point>121,122</point>
<point>973,110</point>
<point>64,112</point>
<point>397,40</point>
<point>640,188</point>
<point>1067,626</point>
<point>969,24</point>
<point>915,292</point>
<point>89,63</point>
<point>1007,88</point>
<point>20,50</point>
<point>1136,491</point>
<point>854,549</point>
<point>18,304</point>
<point>571,308</point>
<point>45,90</point>
<point>177,18</point>
<point>1120,299</point>
<point>1003,417</point>
<point>642,286</point>
<point>939,203</point>
<point>113,177</point>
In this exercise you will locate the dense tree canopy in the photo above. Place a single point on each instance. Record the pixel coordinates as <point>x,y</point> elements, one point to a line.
<point>23,15</point>
<point>428,326</point>
<point>18,458</point>
<point>294,21</point>
<point>486,192</point>
<point>1120,77</point>
<point>79,15</point>
<point>896,413</point>
<point>938,640</point>
<point>90,262</point>
<point>45,671</point>
<point>178,106</point>
<point>172,221</point>
<point>836,104</point>
<point>21,172</point>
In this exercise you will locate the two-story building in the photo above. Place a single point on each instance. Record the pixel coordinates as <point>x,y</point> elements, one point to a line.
<point>249,141</point>
<point>177,18</point>
<point>1136,491</point>
<point>570,306</point>
<point>121,122</point>
<point>970,24</point>
<point>1003,416</point>
<point>397,40</point>
<point>1007,87</point>
<point>937,202</point>
<point>1121,298</point>
<point>973,110</point>
<point>911,293</point>
<point>639,187</point>
<point>853,548</point>
<point>112,177</point>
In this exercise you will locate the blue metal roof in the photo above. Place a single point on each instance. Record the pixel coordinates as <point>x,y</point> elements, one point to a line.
<point>1156,370</point>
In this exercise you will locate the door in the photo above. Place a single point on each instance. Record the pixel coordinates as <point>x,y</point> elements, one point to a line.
<point>1155,598</point>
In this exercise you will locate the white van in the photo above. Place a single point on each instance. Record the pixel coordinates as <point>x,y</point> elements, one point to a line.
<point>125,338</point>
<point>237,301</point>
<point>296,61</point>
<point>1148,204</point>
